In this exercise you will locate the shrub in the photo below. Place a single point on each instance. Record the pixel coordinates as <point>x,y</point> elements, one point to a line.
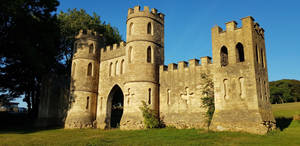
<point>151,118</point>
<point>208,97</point>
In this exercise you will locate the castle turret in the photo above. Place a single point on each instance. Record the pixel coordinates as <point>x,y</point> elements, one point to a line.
<point>241,79</point>
<point>144,54</point>
<point>84,80</point>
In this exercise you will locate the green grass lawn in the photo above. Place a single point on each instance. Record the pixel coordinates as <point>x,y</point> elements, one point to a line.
<point>286,110</point>
<point>167,136</point>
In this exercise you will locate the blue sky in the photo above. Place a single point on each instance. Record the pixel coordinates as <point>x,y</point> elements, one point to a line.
<point>188,26</point>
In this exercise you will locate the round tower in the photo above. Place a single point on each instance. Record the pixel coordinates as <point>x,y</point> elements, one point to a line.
<point>84,80</point>
<point>144,54</point>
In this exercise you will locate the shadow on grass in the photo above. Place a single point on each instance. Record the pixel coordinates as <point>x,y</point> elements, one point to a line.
<point>19,123</point>
<point>283,122</point>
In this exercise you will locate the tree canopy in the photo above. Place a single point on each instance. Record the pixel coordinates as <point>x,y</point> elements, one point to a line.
<point>36,42</point>
<point>29,39</point>
<point>72,21</point>
<point>283,91</point>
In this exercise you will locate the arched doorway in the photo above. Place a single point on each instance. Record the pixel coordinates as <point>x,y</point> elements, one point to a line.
<point>115,104</point>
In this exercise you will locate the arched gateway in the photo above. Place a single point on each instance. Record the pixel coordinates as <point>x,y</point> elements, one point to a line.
<point>115,104</point>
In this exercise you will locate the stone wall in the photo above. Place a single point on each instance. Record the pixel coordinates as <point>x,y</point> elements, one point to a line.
<point>54,101</point>
<point>180,93</point>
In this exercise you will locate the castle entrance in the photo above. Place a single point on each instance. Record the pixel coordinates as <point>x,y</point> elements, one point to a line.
<point>115,107</point>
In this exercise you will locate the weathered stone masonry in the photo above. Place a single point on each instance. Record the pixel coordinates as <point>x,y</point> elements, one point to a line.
<point>135,71</point>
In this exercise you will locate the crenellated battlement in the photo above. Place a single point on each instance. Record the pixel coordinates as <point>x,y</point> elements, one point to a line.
<point>153,13</point>
<point>246,22</point>
<point>113,51</point>
<point>88,33</point>
<point>181,65</point>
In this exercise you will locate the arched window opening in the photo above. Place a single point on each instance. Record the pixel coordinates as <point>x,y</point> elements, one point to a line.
<point>73,69</point>
<point>116,68</point>
<point>149,98</point>
<point>87,102</point>
<point>240,52</point>
<point>130,54</point>
<point>149,54</point>
<point>91,48</point>
<point>169,97</point>
<point>89,71</point>
<point>224,56</point>
<point>122,67</point>
<point>130,28</point>
<point>262,58</point>
<point>149,28</point>
<point>110,69</point>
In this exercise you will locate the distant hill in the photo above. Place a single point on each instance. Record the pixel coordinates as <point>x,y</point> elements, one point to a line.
<point>283,91</point>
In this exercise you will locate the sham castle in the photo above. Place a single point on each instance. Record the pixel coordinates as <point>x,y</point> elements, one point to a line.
<point>109,83</point>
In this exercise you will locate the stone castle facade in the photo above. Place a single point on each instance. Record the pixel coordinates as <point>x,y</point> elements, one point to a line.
<point>105,79</point>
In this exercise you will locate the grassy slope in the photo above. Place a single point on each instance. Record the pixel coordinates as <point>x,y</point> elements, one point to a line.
<point>286,110</point>
<point>290,136</point>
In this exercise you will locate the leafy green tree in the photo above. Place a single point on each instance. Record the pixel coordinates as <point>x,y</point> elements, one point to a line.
<point>74,20</point>
<point>283,91</point>
<point>29,39</point>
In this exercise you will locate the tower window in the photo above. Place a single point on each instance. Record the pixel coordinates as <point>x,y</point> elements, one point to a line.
<point>149,28</point>
<point>87,102</point>
<point>130,54</point>
<point>149,54</point>
<point>262,58</point>
<point>149,98</point>
<point>91,48</point>
<point>73,69</point>
<point>130,29</point>
<point>89,70</point>
<point>224,56</point>
<point>116,68</point>
<point>240,52</point>
<point>256,53</point>
<point>122,67</point>
<point>110,69</point>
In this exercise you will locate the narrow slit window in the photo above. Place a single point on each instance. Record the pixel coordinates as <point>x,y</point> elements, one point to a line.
<point>122,67</point>
<point>262,58</point>
<point>89,70</point>
<point>87,102</point>
<point>149,54</point>
<point>116,68</point>
<point>256,52</point>
<point>130,28</point>
<point>130,54</point>
<point>149,98</point>
<point>110,69</point>
<point>74,69</point>
<point>91,48</point>
<point>149,28</point>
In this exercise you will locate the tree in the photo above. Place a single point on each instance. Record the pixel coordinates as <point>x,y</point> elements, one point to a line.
<point>72,21</point>
<point>283,91</point>
<point>29,47</point>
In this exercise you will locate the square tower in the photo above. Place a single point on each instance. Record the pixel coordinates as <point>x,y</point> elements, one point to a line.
<point>241,79</point>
